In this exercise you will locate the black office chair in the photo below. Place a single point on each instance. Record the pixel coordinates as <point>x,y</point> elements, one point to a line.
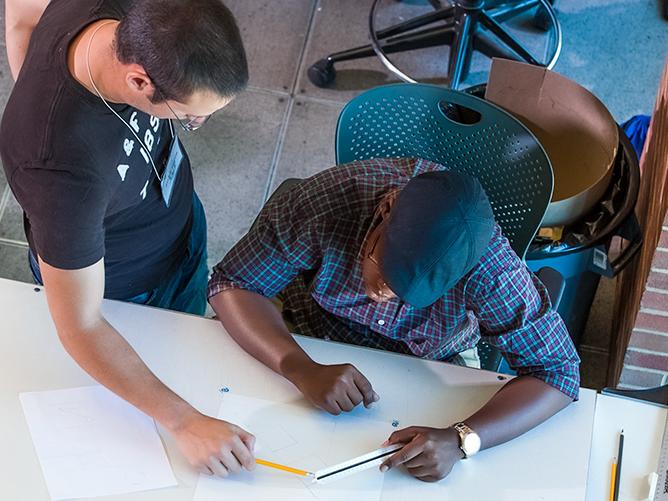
<point>464,25</point>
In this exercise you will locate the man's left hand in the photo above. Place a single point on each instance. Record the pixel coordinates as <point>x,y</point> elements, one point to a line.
<point>429,453</point>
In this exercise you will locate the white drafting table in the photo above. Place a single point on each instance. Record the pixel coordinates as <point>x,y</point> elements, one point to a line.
<point>195,357</point>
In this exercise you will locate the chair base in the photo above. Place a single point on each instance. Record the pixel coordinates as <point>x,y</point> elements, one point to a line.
<point>464,25</point>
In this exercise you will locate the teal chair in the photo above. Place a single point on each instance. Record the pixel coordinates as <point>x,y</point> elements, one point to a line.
<point>463,133</point>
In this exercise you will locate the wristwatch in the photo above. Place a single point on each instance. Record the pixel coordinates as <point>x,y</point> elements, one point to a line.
<point>469,441</point>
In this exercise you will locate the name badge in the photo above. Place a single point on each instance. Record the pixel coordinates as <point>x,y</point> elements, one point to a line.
<point>171,170</point>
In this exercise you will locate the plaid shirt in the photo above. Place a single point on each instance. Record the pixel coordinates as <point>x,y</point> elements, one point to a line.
<point>306,245</point>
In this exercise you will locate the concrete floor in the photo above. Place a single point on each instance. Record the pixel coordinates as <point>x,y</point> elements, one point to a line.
<point>283,126</point>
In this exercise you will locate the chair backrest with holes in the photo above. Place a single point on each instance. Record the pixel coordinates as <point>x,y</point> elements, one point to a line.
<point>413,120</point>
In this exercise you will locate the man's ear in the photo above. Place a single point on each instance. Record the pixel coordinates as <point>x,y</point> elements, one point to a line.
<point>138,81</point>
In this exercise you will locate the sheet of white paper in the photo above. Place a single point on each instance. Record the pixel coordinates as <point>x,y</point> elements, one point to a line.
<point>92,443</point>
<point>643,426</point>
<point>302,437</point>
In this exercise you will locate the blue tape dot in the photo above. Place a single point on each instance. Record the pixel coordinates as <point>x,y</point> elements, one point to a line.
<point>395,423</point>
<point>225,390</point>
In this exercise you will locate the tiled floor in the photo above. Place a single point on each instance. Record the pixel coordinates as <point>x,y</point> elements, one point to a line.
<point>283,126</point>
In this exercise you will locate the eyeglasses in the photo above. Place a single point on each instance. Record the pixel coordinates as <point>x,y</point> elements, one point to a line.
<point>370,255</point>
<point>372,249</point>
<point>192,124</point>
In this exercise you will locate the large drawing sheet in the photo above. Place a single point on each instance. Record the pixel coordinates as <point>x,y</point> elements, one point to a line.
<point>92,443</point>
<point>300,436</point>
<point>643,426</point>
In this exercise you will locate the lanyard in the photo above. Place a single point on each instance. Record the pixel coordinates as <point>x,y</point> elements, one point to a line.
<point>90,76</point>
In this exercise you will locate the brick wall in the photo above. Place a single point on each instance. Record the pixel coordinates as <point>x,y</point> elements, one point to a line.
<point>639,341</point>
<point>646,360</point>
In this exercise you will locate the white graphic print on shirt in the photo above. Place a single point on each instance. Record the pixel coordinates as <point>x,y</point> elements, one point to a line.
<point>149,140</point>
<point>128,145</point>
<point>143,191</point>
<point>122,170</point>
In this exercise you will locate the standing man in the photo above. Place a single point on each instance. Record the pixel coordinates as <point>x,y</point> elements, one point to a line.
<point>91,155</point>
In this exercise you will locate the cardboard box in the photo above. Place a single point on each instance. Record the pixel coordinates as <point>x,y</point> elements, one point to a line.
<point>577,131</point>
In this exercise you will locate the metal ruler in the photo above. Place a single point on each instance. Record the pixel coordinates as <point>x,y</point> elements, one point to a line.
<point>661,493</point>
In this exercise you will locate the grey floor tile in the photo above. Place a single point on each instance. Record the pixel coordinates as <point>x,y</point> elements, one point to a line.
<point>6,80</point>
<point>309,142</point>
<point>274,37</point>
<point>11,220</point>
<point>616,49</point>
<point>599,325</point>
<point>593,369</point>
<point>3,180</point>
<point>14,263</point>
<point>6,84</point>
<point>231,158</point>
<point>342,24</point>
<point>595,341</point>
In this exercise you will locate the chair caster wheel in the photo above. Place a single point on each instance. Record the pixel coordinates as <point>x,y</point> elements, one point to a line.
<point>322,73</point>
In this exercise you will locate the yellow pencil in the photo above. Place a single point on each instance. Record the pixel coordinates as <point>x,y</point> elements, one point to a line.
<point>284,468</point>
<point>613,478</point>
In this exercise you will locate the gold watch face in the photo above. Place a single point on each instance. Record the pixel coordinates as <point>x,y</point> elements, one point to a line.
<point>471,443</point>
<point>469,439</point>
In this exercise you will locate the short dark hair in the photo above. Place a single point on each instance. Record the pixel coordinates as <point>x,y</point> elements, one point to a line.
<point>184,46</point>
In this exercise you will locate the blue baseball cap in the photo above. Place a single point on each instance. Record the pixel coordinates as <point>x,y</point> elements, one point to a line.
<point>438,229</point>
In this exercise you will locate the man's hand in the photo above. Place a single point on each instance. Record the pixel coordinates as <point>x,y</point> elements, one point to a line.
<point>74,298</point>
<point>255,323</point>
<point>214,446</point>
<point>334,388</point>
<point>429,453</point>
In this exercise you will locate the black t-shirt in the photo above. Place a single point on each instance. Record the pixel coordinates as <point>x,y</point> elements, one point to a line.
<point>87,188</point>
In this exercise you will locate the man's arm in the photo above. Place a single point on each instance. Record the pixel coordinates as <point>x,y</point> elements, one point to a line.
<point>284,242</point>
<point>522,404</point>
<point>515,316</point>
<point>257,326</point>
<point>75,298</point>
<point>21,17</point>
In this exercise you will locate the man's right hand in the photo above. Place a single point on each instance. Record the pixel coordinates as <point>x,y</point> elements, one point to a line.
<point>214,446</point>
<point>75,298</point>
<point>257,325</point>
<point>335,388</point>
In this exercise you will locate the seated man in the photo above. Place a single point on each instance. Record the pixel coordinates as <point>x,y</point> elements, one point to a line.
<point>403,255</point>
